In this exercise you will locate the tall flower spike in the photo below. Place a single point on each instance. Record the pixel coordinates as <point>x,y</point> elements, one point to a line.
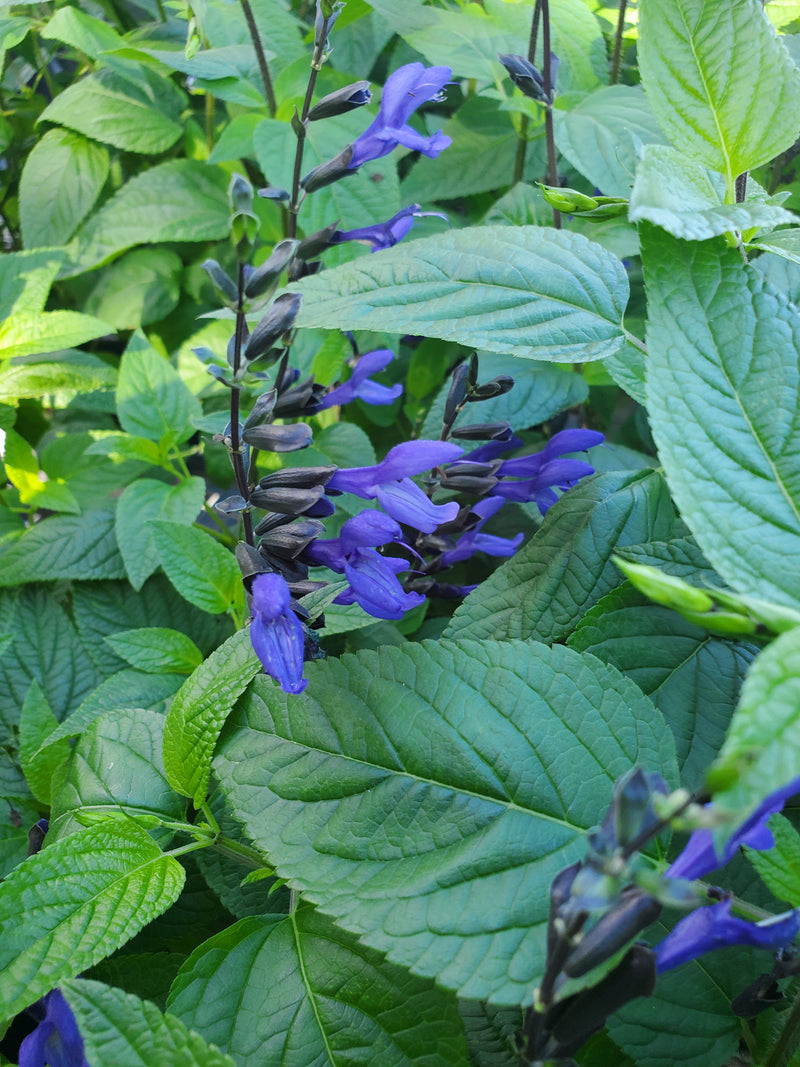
<point>277,633</point>
<point>359,386</point>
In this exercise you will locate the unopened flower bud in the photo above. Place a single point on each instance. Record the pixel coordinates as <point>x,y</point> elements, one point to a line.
<point>265,276</point>
<point>298,477</point>
<point>262,409</point>
<point>240,194</point>
<point>285,500</point>
<point>484,431</point>
<point>503,383</point>
<point>316,243</point>
<point>289,541</point>
<point>457,395</point>
<point>223,283</point>
<point>635,911</point>
<point>329,172</point>
<point>270,438</point>
<point>271,192</point>
<point>278,319</point>
<point>341,101</point>
<point>527,78</point>
<point>250,561</point>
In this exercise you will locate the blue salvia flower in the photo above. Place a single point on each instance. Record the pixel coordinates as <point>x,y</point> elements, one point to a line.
<point>386,234</point>
<point>389,482</point>
<point>475,541</point>
<point>542,472</point>
<point>405,90</point>
<point>277,633</point>
<point>359,386</point>
<point>371,576</point>
<point>56,1041</point>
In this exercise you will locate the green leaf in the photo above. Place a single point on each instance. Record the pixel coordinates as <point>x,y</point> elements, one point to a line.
<point>137,116</point>
<point>680,557</point>
<point>490,1032</point>
<point>566,567</point>
<point>157,650</point>
<point>16,818</point>
<point>688,200</point>
<point>602,135</point>
<point>120,1028</point>
<point>116,765</point>
<point>141,287</point>
<point>140,504</point>
<point>36,722</point>
<point>150,209</point>
<point>202,571</point>
<point>719,81</point>
<point>145,974</point>
<point>425,795</point>
<point>152,401</point>
<point>66,546</point>
<point>39,375</point>
<point>28,333</point>
<point>717,332</point>
<point>75,902</point>
<point>691,677</point>
<point>22,470</point>
<point>783,243</point>
<point>779,866</point>
<point>532,292</point>
<point>89,35</point>
<point>302,983</point>
<point>199,711</point>
<point>60,183</point>
<point>25,280</point>
<point>762,750</point>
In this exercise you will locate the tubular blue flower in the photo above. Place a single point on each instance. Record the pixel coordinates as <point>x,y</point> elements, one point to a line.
<point>277,633</point>
<point>405,90</point>
<point>386,234</point>
<point>474,541</point>
<point>714,927</point>
<point>700,857</point>
<point>389,482</point>
<point>359,385</point>
<point>372,577</point>
<point>56,1041</point>
<point>544,471</point>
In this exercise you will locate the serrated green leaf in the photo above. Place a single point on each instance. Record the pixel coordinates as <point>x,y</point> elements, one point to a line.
<point>137,116</point>
<point>425,795</point>
<point>688,200</point>
<point>75,902</point>
<point>151,208</point>
<point>779,866</point>
<point>490,1032</point>
<point>29,333</point>
<point>120,1028</point>
<point>533,292</point>
<point>566,567</point>
<point>680,557</point>
<point>17,816</point>
<point>152,400</point>
<point>156,650</point>
<point>603,133</point>
<point>65,546</point>
<point>140,504</point>
<point>303,984</point>
<point>60,183</point>
<point>717,332</point>
<point>25,280</point>
<point>202,571</point>
<point>719,81</point>
<point>39,375</point>
<point>784,243</point>
<point>143,286</point>
<point>37,722</point>
<point>89,35</point>
<point>199,711</point>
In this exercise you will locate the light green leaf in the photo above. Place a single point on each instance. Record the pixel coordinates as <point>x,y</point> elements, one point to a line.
<point>151,208</point>
<point>688,200</point>
<point>426,794</point>
<point>281,986</point>
<point>88,34</point>
<point>230,61</point>
<point>602,134</point>
<point>25,280</point>
<point>779,866</point>
<point>236,140</point>
<point>141,287</point>
<point>156,650</point>
<point>35,490</point>
<point>120,1028</point>
<point>137,116</point>
<point>75,902</point>
<point>14,834</point>
<point>71,371</point>
<point>36,722</point>
<point>139,505</point>
<point>66,546</point>
<point>128,446</point>
<point>719,81</point>
<point>784,243</point>
<point>532,292</point>
<point>717,333</point>
<point>29,333</point>
<point>566,567</point>
<point>202,571</point>
<point>199,711</point>
<point>152,401</point>
<point>60,183</point>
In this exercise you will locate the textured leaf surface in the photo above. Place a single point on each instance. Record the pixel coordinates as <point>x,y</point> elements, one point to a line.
<point>199,711</point>
<point>25,279</point>
<point>722,391</point>
<point>156,649</point>
<point>28,333</point>
<point>720,83</point>
<point>202,571</point>
<point>425,795</point>
<point>779,867</point>
<point>66,546</point>
<point>66,371</point>
<point>303,993</point>
<point>142,287</point>
<point>74,903</point>
<point>140,504</point>
<point>119,1028</point>
<point>531,291</point>
<point>152,400</point>
<point>36,722</point>
<point>566,567</point>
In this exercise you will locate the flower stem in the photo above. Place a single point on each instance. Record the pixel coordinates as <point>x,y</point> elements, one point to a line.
<point>522,143</point>
<point>552,169</point>
<point>615,58</point>
<point>252,29</point>
<point>237,459</point>
<point>300,129</point>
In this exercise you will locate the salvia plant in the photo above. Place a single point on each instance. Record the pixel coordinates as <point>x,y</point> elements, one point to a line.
<point>400,539</point>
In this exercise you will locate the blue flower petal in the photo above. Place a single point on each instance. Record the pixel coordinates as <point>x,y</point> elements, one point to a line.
<point>277,633</point>
<point>406,502</point>
<point>56,1041</point>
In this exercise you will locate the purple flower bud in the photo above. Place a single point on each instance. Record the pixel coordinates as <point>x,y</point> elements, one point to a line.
<point>277,633</point>
<point>341,101</point>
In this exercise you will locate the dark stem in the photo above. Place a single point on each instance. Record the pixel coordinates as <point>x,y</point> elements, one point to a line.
<point>269,92</point>
<point>300,130</point>
<point>615,58</point>
<point>740,187</point>
<point>552,170</point>
<point>522,143</point>
<point>237,458</point>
